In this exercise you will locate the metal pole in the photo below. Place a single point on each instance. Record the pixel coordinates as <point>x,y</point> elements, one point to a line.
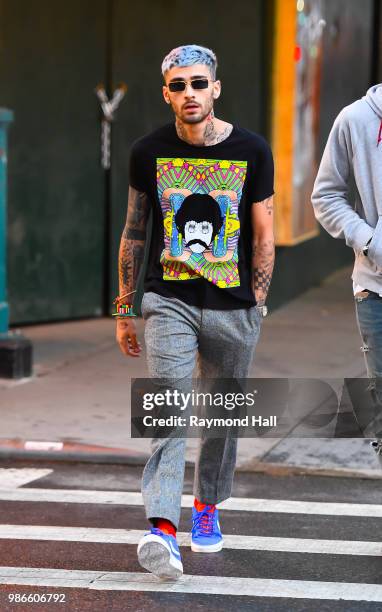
<point>6,117</point>
<point>15,350</point>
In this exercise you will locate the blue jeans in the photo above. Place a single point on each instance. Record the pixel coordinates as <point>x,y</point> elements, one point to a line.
<point>369,318</point>
<point>222,344</point>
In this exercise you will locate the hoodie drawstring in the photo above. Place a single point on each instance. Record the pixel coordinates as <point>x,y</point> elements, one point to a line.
<point>379,133</point>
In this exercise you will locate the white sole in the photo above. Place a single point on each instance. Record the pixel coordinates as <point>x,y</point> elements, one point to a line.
<point>207,549</point>
<point>155,556</point>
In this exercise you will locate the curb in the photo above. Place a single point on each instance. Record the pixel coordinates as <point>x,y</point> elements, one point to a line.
<point>17,449</point>
<point>279,469</point>
<point>130,459</point>
<point>27,450</point>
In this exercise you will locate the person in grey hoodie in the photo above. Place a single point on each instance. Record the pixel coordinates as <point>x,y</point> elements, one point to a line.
<point>352,163</point>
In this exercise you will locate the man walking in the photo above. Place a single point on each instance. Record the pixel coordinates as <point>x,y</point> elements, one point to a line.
<point>353,155</point>
<point>209,186</point>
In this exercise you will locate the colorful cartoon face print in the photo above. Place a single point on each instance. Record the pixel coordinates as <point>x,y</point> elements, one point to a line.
<point>200,205</point>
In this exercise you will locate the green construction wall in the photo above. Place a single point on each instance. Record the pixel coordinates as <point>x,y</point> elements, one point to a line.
<point>65,214</point>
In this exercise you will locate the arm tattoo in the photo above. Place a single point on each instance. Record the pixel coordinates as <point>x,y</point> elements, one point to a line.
<point>132,247</point>
<point>263,257</point>
<point>138,254</point>
<point>269,205</point>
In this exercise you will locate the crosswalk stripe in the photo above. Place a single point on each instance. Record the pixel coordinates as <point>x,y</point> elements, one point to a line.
<point>16,477</point>
<point>208,585</point>
<point>234,503</point>
<point>234,542</point>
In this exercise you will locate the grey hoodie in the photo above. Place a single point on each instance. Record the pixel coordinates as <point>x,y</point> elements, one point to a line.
<point>353,152</point>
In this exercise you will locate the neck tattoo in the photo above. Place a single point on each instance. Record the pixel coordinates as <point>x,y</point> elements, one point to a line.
<point>211,134</point>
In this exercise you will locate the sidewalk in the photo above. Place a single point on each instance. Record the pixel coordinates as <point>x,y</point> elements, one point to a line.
<point>78,398</point>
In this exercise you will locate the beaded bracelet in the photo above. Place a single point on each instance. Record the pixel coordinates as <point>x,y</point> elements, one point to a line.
<point>124,310</point>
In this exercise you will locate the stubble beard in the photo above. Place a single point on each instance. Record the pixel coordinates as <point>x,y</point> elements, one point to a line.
<point>206,116</point>
<point>192,120</point>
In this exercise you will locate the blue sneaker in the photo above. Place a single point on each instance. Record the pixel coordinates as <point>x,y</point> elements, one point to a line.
<point>206,535</point>
<point>159,553</point>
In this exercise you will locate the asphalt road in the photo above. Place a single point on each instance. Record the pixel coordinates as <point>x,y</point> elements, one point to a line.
<point>71,531</point>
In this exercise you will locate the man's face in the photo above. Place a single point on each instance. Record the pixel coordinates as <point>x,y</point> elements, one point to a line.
<point>198,236</point>
<point>191,105</point>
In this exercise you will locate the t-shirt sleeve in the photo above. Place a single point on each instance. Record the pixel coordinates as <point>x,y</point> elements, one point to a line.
<point>261,174</point>
<point>136,167</point>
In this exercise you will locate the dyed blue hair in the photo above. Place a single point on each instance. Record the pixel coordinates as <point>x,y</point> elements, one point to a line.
<point>188,55</point>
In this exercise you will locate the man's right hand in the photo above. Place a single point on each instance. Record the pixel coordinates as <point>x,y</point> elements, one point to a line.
<point>126,335</point>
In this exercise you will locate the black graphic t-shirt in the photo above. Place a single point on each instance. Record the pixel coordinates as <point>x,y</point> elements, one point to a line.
<point>201,197</point>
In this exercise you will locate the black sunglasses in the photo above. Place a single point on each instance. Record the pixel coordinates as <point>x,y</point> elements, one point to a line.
<point>195,84</point>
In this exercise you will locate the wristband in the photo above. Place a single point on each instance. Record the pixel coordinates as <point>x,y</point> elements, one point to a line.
<point>263,310</point>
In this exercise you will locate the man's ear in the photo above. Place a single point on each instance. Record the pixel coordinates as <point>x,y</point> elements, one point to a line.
<point>216,90</point>
<point>165,94</point>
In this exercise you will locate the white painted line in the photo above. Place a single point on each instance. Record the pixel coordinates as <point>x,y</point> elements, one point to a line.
<point>16,477</point>
<point>206,585</point>
<point>77,496</point>
<point>233,542</point>
<point>74,496</point>
<point>302,507</point>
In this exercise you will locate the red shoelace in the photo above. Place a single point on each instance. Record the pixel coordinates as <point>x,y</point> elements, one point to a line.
<point>205,521</point>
